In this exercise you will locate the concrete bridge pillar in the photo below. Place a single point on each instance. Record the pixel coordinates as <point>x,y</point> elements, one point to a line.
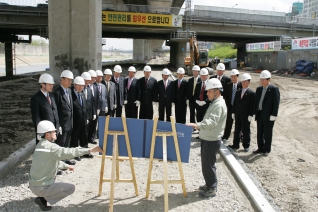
<point>75,34</point>
<point>145,48</point>
<point>177,54</point>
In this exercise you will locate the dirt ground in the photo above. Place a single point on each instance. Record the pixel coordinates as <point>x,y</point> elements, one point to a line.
<point>289,173</point>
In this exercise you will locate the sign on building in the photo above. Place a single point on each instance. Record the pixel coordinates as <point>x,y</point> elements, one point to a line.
<point>145,19</point>
<point>305,43</point>
<point>263,47</point>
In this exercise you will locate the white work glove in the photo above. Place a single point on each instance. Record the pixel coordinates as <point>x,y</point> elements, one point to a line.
<point>125,102</point>
<point>172,103</point>
<point>115,106</point>
<point>253,117</point>
<point>197,101</point>
<point>233,116</point>
<point>98,111</point>
<point>94,117</point>
<point>187,102</point>
<point>106,109</point>
<point>272,118</point>
<point>202,103</point>
<point>137,103</point>
<point>87,121</point>
<point>154,103</point>
<point>60,130</point>
<point>250,118</point>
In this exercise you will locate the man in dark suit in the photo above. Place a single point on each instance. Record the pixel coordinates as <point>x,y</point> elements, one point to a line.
<point>102,107</point>
<point>120,90</point>
<point>79,132</point>
<point>132,93</point>
<point>266,105</point>
<point>42,104</point>
<point>111,92</point>
<point>192,82</point>
<point>180,97</point>
<point>92,126</point>
<point>201,95</point>
<point>90,103</point>
<point>164,94</point>
<point>147,94</point>
<point>242,112</point>
<point>220,69</point>
<point>229,96</point>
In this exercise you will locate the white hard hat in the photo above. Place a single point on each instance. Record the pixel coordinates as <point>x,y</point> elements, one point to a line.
<point>234,72</point>
<point>79,81</point>
<point>265,74</point>
<point>46,78</point>
<point>245,77</point>
<point>92,73</point>
<point>165,71</point>
<point>132,69</point>
<point>204,71</point>
<point>86,76</point>
<point>67,74</point>
<point>99,73</point>
<point>117,69</point>
<point>108,71</point>
<point>196,68</point>
<point>213,83</point>
<point>147,68</point>
<point>180,71</point>
<point>45,126</point>
<point>220,67</point>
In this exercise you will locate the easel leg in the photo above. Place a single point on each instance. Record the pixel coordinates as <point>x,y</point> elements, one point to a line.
<point>112,181</point>
<point>165,168</point>
<point>101,177</point>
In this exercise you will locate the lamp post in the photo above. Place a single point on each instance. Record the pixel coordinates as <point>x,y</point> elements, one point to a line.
<point>234,5</point>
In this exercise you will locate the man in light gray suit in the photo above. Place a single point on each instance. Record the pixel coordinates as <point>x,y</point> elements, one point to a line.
<point>111,92</point>
<point>102,107</point>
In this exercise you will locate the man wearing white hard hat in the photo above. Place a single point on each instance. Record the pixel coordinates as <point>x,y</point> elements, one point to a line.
<point>220,69</point>
<point>201,95</point>
<point>266,106</point>
<point>242,112</point>
<point>92,126</point>
<point>102,107</point>
<point>46,160</point>
<point>42,104</point>
<point>91,110</point>
<point>147,94</point>
<point>164,95</point>
<point>64,103</point>
<point>111,92</point>
<point>180,96</point>
<point>132,94</point>
<point>120,90</point>
<point>192,82</point>
<point>210,132</point>
<point>229,95</point>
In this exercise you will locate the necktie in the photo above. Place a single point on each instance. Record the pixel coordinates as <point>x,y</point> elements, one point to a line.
<point>68,96</point>
<point>243,92</point>
<point>146,81</point>
<point>219,78</point>
<point>117,80</point>
<point>85,93</point>
<point>194,84</point>
<point>129,82</point>
<point>99,88</point>
<point>262,98</point>
<point>48,98</point>
<point>179,83</point>
<point>107,84</point>
<point>79,98</point>
<point>202,91</point>
<point>233,94</point>
<point>91,86</point>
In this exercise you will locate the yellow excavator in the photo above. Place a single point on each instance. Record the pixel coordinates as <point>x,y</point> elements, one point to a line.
<point>197,56</point>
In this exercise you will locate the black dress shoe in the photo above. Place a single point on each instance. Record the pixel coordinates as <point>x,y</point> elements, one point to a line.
<point>41,205</point>
<point>77,158</point>
<point>70,162</point>
<point>88,156</point>
<point>233,147</point>
<point>59,172</point>
<point>93,142</point>
<point>258,151</point>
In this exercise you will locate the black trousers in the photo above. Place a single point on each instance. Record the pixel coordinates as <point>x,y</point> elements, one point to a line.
<point>201,111</point>
<point>192,105</point>
<point>131,111</point>
<point>118,111</point>
<point>64,139</point>
<point>165,106</point>
<point>242,124</point>
<point>209,149</point>
<point>79,133</point>
<point>146,111</point>
<point>228,124</point>
<point>264,133</point>
<point>91,132</point>
<point>181,112</point>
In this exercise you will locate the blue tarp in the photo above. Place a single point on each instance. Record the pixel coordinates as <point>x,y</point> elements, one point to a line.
<point>303,66</point>
<point>140,135</point>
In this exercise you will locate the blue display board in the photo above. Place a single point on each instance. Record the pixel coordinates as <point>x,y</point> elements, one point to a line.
<point>140,135</point>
